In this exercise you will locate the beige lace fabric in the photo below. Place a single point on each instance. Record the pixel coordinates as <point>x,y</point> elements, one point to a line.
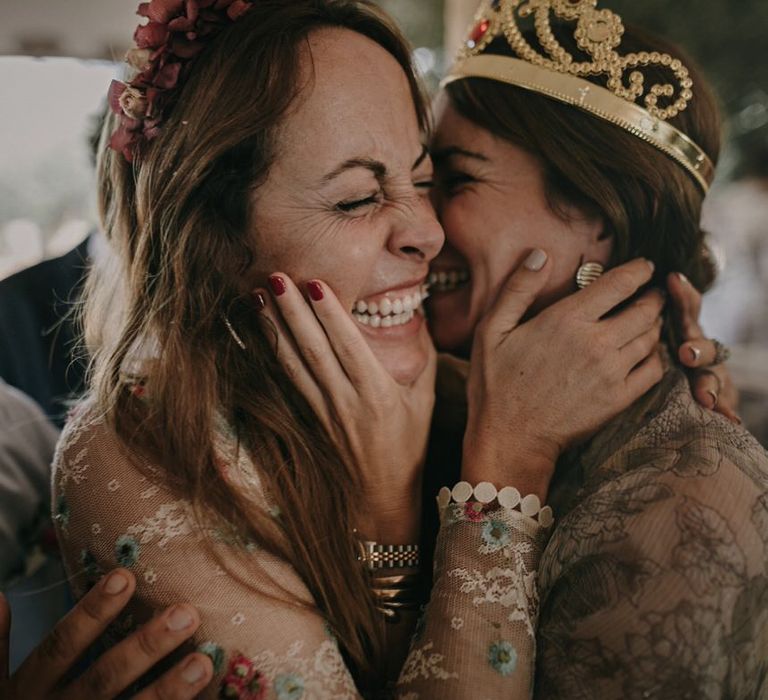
<point>475,639</point>
<point>654,583</point>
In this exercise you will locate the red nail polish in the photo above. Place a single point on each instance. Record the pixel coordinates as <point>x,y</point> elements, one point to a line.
<point>259,302</point>
<point>278,285</point>
<point>315,291</point>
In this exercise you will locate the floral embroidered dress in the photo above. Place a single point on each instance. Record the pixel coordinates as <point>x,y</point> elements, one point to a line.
<point>654,583</point>
<point>475,639</point>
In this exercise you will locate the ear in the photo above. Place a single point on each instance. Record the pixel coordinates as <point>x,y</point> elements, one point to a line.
<point>600,241</point>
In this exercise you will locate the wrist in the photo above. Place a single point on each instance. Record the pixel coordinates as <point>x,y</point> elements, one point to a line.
<point>526,466</point>
<point>391,519</point>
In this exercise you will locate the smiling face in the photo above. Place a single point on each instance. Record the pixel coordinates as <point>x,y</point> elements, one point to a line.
<point>347,198</point>
<point>492,203</point>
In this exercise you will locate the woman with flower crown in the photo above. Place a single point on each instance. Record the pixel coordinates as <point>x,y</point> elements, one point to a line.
<point>279,493</point>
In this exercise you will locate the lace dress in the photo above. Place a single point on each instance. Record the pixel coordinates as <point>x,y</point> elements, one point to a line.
<point>475,639</point>
<point>654,583</point>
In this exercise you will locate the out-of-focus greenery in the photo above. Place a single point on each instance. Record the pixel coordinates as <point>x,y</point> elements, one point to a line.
<point>422,20</point>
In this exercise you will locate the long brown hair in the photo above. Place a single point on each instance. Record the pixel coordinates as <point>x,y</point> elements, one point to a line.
<point>650,205</point>
<point>178,220</point>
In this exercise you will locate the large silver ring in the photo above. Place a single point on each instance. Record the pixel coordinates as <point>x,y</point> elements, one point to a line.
<point>722,352</point>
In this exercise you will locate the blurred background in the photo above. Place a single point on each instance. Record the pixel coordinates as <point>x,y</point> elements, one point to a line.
<point>56,60</point>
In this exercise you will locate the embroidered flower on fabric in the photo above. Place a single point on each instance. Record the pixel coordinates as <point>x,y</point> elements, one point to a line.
<point>215,653</point>
<point>242,681</point>
<point>90,567</point>
<point>238,619</point>
<point>62,511</point>
<point>496,534</point>
<point>473,511</point>
<point>96,529</point>
<point>150,576</point>
<point>503,657</point>
<point>113,485</point>
<point>289,686</point>
<point>126,550</point>
<point>457,623</point>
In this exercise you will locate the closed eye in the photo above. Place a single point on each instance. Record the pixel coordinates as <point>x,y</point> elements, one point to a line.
<point>358,203</point>
<point>454,181</point>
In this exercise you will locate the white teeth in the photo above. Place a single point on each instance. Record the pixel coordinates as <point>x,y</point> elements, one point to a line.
<point>448,281</point>
<point>397,307</point>
<point>373,308</point>
<point>386,322</point>
<point>361,307</point>
<point>376,321</point>
<point>408,304</point>
<point>385,307</point>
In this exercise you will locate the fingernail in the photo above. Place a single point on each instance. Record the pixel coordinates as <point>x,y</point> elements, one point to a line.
<point>714,398</point>
<point>193,671</point>
<point>259,302</point>
<point>682,278</point>
<point>695,352</point>
<point>315,291</point>
<point>278,285</point>
<point>652,264</point>
<point>536,260</point>
<point>178,620</point>
<point>115,584</point>
<point>737,420</point>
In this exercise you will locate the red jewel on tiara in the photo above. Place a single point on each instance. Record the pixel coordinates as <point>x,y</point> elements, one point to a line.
<point>478,32</point>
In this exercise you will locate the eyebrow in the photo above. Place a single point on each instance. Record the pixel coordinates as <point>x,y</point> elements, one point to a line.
<point>443,154</point>
<point>378,168</point>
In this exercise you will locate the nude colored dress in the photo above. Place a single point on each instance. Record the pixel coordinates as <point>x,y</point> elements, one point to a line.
<point>475,639</point>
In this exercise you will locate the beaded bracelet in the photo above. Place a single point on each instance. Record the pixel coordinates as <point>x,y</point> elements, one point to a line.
<point>508,497</point>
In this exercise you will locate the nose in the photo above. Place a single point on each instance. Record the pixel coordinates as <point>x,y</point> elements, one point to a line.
<point>417,234</point>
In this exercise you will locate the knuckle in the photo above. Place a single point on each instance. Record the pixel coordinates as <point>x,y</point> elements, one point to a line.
<point>96,682</point>
<point>311,354</point>
<point>147,644</point>
<point>623,282</point>
<point>57,645</point>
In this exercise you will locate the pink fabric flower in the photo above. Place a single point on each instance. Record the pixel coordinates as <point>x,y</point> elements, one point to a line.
<point>474,511</point>
<point>173,36</point>
<point>242,681</point>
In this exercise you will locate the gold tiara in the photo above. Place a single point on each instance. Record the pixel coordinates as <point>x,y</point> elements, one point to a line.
<point>554,72</point>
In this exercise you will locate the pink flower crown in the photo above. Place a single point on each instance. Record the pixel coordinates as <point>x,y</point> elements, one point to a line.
<point>165,47</point>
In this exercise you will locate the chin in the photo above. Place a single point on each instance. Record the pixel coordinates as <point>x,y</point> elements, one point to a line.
<point>404,361</point>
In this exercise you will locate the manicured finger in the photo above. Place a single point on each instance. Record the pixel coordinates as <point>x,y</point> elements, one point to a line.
<point>638,350</point>
<point>687,303</point>
<point>5,636</point>
<point>706,389</point>
<point>613,288</point>
<point>185,680</point>
<point>345,337</point>
<point>520,290</point>
<point>72,636</point>
<point>638,318</point>
<point>309,336</point>
<point>126,662</point>
<point>645,376</point>
<point>291,361</point>
<point>697,353</point>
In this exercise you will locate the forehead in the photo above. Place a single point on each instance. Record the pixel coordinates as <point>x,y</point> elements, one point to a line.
<point>356,100</point>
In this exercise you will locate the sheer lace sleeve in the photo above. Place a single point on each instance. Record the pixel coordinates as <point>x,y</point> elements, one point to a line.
<point>477,631</point>
<point>477,637</point>
<point>655,584</point>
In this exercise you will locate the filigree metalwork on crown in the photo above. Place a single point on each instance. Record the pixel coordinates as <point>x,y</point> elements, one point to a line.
<point>598,33</point>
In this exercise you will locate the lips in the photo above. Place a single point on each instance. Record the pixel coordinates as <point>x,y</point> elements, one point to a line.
<point>390,309</point>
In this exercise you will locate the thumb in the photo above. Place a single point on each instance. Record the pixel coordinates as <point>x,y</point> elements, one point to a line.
<point>520,290</point>
<point>5,634</point>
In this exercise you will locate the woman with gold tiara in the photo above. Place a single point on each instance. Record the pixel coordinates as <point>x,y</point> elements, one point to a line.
<point>562,130</point>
